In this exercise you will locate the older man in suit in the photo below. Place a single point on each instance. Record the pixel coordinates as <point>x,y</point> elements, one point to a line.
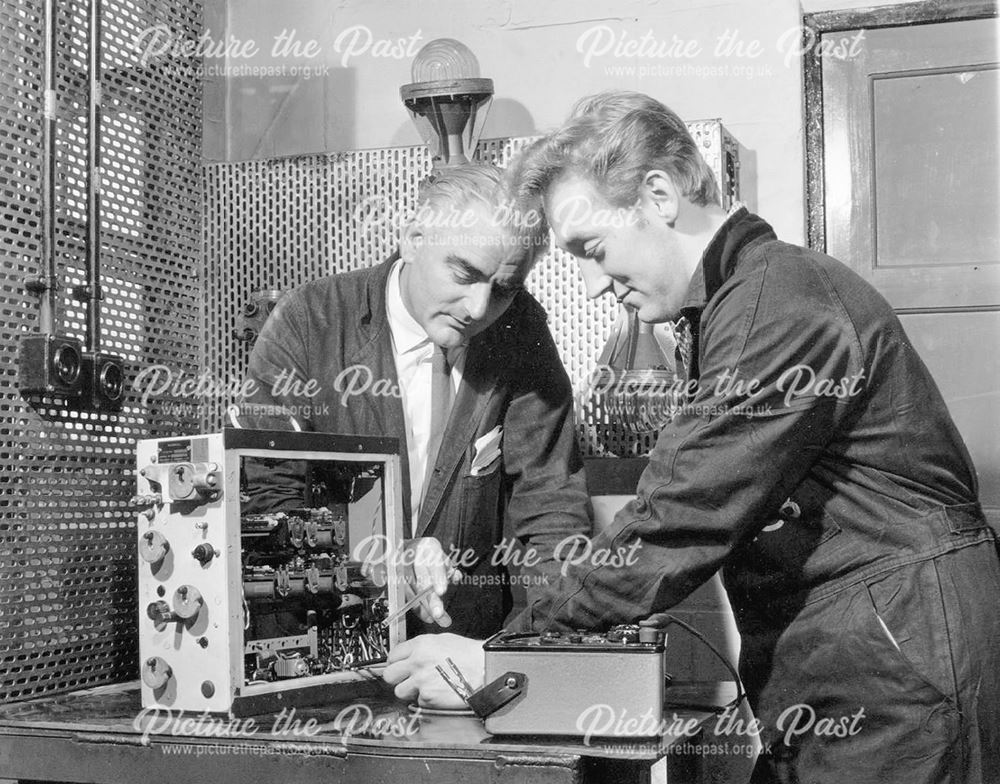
<point>441,347</point>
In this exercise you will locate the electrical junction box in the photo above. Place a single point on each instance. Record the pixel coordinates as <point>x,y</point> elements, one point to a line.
<point>266,574</point>
<point>50,365</point>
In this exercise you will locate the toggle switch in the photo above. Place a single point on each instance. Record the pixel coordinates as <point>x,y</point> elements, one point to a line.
<point>161,613</point>
<point>203,553</point>
<point>146,503</point>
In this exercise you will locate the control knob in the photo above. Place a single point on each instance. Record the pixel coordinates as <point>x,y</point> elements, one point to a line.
<point>156,672</point>
<point>187,601</point>
<point>153,547</point>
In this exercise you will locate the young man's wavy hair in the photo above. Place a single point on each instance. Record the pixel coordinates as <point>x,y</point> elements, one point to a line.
<point>612,140</point>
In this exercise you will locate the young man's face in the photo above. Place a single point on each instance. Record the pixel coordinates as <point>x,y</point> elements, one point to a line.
<point>459,277</point>
<point>631,252</point>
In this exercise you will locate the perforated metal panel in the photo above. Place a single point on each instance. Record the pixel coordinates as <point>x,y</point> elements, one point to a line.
<point>279,223</point>
<point>276,224</point>
<point>67,559</point>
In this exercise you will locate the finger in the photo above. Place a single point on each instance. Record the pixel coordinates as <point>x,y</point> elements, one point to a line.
<point>431,610</point>
<point>435,563</point>
<point>408,690</point>
<point>432,572</point>
<point>397,672</point>
<point>435,693</point>
<point>425,580</point>
<point>401,651</point>
<point>656,619</point>
<point>434,606</point>
<point>439,698</point>
<point>439,578</point>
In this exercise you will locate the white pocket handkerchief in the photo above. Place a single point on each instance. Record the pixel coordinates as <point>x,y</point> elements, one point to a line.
<point>485,450</point>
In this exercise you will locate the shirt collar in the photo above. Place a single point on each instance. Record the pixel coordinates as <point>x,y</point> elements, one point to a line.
<point>407,334</point>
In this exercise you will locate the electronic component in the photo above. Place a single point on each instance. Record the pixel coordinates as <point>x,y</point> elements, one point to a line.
<point>254,313</point>
<point>103,380</point>
<point>50,365</point>
<point>607,684</point>
<point>265,568</point>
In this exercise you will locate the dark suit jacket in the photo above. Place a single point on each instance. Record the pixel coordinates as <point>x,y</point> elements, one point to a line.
<point>512,378</point>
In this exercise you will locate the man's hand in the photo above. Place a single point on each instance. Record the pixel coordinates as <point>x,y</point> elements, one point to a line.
<point>412,668</point>
<point>430,568</point>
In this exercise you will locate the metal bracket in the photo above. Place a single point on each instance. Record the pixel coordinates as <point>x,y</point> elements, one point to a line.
<point>496,694</point>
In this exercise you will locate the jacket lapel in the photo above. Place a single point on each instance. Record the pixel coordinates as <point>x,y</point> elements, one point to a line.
<point>373,351</point>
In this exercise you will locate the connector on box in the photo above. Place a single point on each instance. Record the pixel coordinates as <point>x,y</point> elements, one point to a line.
<point>103,380</point>
<point>50,365</point>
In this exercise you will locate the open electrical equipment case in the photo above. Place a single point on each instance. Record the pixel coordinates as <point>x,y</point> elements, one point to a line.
<point>249,603</point>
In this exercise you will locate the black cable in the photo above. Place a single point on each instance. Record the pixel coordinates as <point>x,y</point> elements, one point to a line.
<point>740,693</point>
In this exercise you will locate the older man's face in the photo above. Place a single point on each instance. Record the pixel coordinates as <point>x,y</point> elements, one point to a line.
<point>461,274</point>
<point>629,252</point>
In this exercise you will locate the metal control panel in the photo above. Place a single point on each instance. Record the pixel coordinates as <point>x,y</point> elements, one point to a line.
<point>605,684</point>
<point>265,569</point>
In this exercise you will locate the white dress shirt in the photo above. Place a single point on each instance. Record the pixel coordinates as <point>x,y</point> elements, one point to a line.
<point>412,351</point>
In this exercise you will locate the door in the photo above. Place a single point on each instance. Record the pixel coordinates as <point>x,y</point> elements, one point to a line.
<point>911,187</point>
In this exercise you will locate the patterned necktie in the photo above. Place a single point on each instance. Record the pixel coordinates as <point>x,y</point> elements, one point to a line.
<point>442,397</point>
<point>685,344</point>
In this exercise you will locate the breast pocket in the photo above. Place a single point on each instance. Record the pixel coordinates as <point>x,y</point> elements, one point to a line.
<point>481,518</point>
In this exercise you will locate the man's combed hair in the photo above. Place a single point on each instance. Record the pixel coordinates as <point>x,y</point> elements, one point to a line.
<point>461,186</point>
<point>613,139</point>
<point>458,188</point>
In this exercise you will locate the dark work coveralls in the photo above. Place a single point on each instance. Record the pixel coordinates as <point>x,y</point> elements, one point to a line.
<point>818,467</point>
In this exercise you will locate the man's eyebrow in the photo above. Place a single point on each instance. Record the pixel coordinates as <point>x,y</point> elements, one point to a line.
<point>463,266</point>
<point>574,243</point>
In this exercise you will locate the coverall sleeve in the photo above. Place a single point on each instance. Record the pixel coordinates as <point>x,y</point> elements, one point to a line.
<point>778,375</point>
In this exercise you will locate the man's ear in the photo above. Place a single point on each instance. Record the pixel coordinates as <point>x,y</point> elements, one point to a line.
<point>410,240</point>
<point>659,191</point>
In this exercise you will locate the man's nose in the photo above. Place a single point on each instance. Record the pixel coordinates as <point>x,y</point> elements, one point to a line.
<point>477,300</point>
<point>595,280</point>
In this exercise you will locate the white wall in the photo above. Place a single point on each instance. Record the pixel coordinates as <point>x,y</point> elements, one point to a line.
<point>536,55</point>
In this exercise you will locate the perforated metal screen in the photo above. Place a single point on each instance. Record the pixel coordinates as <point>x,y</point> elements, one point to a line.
<point>67,541</point>
<point>275,224</point>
